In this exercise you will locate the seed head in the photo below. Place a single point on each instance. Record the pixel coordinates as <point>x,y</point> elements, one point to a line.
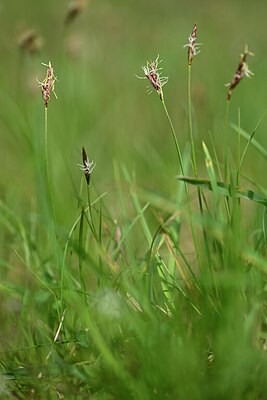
<point>48,84</point>
<point>74,8</point>
<point>193,49</point>
<point>30,41</point>
<point>153,74</point>
<point>87,166</point>
<point>242,70</point>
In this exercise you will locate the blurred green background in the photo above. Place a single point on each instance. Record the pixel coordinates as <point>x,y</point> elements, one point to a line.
<point>103,106</point>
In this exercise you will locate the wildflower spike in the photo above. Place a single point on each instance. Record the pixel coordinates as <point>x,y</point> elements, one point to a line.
<point>48,84</point>
<point>153,74</point>
<point>193,49</point>
<point>87,166</point>
<point>242,70</point>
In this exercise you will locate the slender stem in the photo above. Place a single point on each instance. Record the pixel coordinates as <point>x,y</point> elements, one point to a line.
<point>90,213</point>
<point>183,173</point>
<point>46,142</point>
<point>174,138</point>
<point>81,268</point>
<point>205,236</point>
<point>53,222</point>
<point>238,151</point>
<point>225,156</point>
<point>192,139</point>
<point>47,169</point>
<point>225,139</point>
<point>190,121</point>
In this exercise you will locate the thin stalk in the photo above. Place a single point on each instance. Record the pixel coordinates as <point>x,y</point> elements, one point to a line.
<point>225,157</point>
<point>192,139</point>
<point>205,236</point>
<point>52,225</point>
<point>239,219</point>
<point>81,268</point>
<point>174,138</point>
<point>238,151</point>
<point>190,122</point>
<point>225,139</point>
<point>47,168</point>
<point>46,141</point>
<point>100,239</point>
<point>186,187</point>
<point>90,213</point>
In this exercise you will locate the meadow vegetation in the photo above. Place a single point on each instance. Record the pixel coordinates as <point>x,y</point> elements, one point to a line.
<point>133,226</point>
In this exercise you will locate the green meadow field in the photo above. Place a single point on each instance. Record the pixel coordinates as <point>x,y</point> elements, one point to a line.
<point>141,272</point>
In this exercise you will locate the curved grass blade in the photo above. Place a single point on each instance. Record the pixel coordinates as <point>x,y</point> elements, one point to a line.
<point>250,139</point>
<point>226,189</point>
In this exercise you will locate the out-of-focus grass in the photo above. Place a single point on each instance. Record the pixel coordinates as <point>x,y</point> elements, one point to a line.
<point>143,332</point>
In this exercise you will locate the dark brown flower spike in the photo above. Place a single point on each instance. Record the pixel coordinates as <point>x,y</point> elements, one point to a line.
<point>30,41</point>
<point>48,84</point>
<point>74,8</point>
<point>193,48</point>
<point>242,70</point>
<point>151,71</point>
<point>87,166</point>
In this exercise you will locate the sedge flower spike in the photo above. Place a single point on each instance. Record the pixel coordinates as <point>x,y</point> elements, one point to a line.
<point>87,166</point>
<point>193,49</point>
<point>242,70</point>
<point>74,8</point>
<point>153,74</point>
<point>48,84</point>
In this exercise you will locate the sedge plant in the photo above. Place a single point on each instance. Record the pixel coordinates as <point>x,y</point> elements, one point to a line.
<point>152,72</point>
<point>123,338</point>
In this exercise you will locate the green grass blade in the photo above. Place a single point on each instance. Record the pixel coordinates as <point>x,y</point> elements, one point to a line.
<point>226,189</point>
<point>259,147</point>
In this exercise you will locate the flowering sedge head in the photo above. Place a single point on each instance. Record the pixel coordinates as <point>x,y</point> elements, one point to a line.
<point>193,49</point>
<point>29,41</point>
<point>74,8</point>
<point>153,74</point>
<point>242,70</point>
<point>87,166</point>
<point>48,84</point>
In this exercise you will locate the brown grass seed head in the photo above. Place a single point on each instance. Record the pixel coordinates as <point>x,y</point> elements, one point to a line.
<point>48,84</point>
<point>87,166</point>
<point>242,70</point>
<point>153,74</point>
<point>193,49</point>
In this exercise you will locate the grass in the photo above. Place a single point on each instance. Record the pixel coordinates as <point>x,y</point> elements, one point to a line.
<point>150,282</point>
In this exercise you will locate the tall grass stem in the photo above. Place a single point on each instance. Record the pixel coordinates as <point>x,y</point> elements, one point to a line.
<point>225,139</point>
<point>186,187</point>
<point>190,122</point>
<point>49,189</point>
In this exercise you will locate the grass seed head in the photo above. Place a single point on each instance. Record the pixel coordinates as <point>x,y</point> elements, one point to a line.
<point>242,70</point>
<point>87,166</point>
<point>153,74</point>
<point>48,84</point>
<point>30,41</point>
<point>74,8</point>
<point>193,49</point>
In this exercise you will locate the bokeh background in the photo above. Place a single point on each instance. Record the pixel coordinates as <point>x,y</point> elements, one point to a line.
<point>103,106</point>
